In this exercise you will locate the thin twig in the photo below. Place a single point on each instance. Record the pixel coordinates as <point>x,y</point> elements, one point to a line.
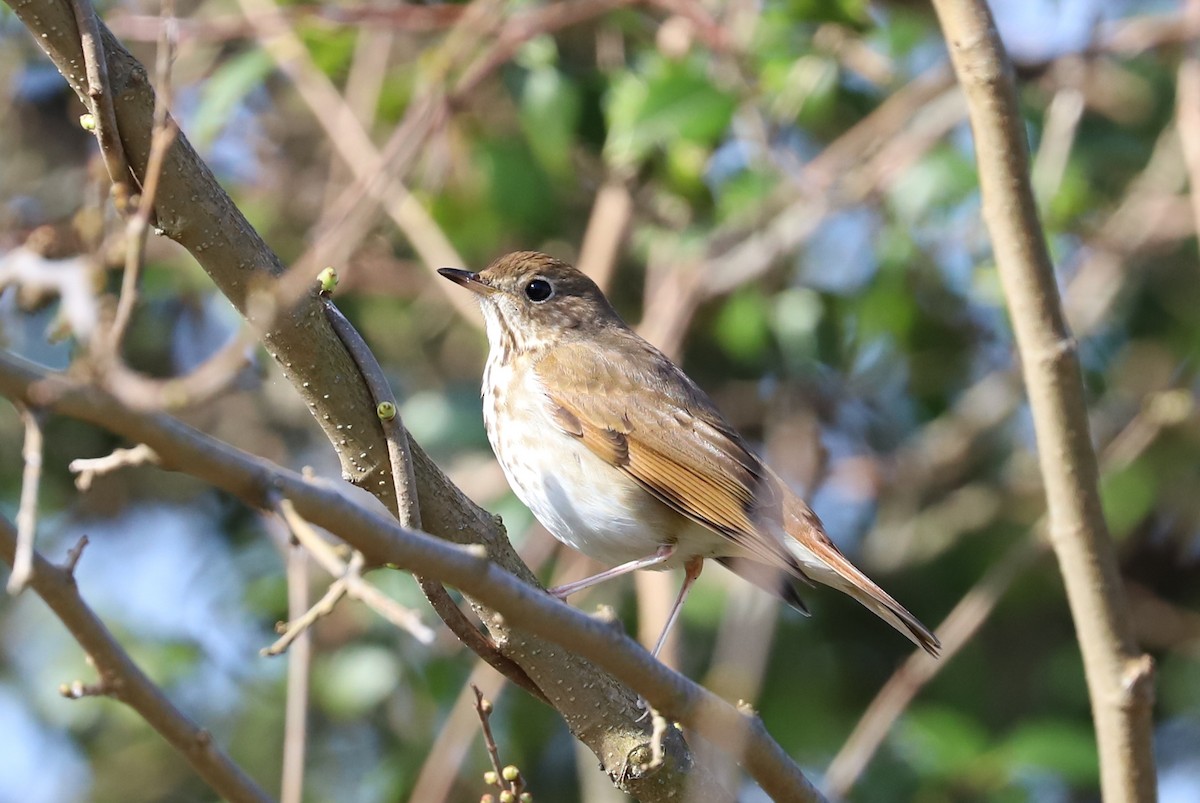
<point>137,227</point>
<point>74,554</point>
<point>31,477</point>
<point>356,586</point>
<point>202,384</point>
<point>295,729</point>
<point>352,582</point>
<point>296,627</point>
<point>122,679</point>
<point>100,94</point>
<point>483,708</point>
<point>407,511</point>
<point>445,756</point>
<point>89,468</point>
<point>955,631</point>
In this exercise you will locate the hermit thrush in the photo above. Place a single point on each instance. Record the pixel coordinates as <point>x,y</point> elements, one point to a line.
<point>621,456</point>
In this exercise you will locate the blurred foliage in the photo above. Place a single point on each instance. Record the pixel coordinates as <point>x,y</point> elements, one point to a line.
<point>867,352</point>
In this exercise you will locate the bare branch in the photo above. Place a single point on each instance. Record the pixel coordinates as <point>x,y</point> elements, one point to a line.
<point>121,678</point>
<point>295,728</point>
<point>297,626</point>
<point>88,468</point>
<point>348,580</point>
<point>446,754</point>
<point>100,97</point>
<point>483,708</point>
<point>1078,532</point>
<point>162,138</point>
<point>31,478</point>
<point>74,554</point>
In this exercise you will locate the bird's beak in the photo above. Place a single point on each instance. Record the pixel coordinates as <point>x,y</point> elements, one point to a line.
<point>471,281</point>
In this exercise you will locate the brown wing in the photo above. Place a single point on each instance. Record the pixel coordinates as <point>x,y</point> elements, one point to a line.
<point>645,417</point>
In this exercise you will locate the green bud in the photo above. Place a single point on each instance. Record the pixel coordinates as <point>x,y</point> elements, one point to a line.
<point>87,122</point>
<point>490,778</point>
<point>386,411</point>
<point>328,279</point>
<point>510,773</point>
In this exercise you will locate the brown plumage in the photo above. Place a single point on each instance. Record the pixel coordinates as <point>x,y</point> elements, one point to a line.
<point>620,455</point>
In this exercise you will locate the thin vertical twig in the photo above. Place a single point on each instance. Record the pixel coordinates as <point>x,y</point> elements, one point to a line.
<point>137,227</point>
<point>295,728</point>
<point>101,102</point>
<point>1119,676</point>
<point>31,479</point>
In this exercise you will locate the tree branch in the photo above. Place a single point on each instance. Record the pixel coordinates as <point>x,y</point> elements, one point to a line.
<point>1119,677</point>
<point>121,678</point>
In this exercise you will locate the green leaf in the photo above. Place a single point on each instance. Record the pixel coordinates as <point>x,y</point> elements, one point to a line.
<point>743,326</point>
<point>332,48</point>
<point>1128,496</point>
<point>742,196</point>
<point>847,12</point>
<point>550,108</point>
<point>668,101</point>
<point>355,679</point>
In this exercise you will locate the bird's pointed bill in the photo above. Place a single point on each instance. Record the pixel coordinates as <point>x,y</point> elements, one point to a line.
<point>469,280</point>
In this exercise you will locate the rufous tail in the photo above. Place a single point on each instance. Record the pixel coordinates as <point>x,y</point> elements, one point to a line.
<point>819,559</point>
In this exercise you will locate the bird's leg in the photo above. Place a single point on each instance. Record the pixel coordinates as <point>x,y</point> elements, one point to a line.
<point>661,554</point>
<point>692,570</point>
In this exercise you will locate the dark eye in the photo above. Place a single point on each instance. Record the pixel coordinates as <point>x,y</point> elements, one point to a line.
<point>538,290</point>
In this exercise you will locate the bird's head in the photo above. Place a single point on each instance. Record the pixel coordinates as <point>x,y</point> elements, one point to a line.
<point>531,301</point>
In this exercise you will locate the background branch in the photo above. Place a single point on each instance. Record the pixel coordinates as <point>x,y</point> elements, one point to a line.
<point>1119,677</point>
<point>121,678</point>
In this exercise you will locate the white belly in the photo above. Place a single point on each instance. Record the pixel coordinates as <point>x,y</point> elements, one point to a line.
<point>583,501</point>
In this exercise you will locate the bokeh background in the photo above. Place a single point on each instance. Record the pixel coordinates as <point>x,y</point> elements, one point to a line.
<point>789,193</point>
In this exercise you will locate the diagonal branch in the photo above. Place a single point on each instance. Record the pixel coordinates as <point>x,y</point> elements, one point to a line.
<point>121,678</point>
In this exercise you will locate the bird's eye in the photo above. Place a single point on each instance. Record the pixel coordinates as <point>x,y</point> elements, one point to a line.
<point>538,290</point>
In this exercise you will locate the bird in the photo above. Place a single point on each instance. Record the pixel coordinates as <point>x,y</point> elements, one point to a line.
<point>620,455</point>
